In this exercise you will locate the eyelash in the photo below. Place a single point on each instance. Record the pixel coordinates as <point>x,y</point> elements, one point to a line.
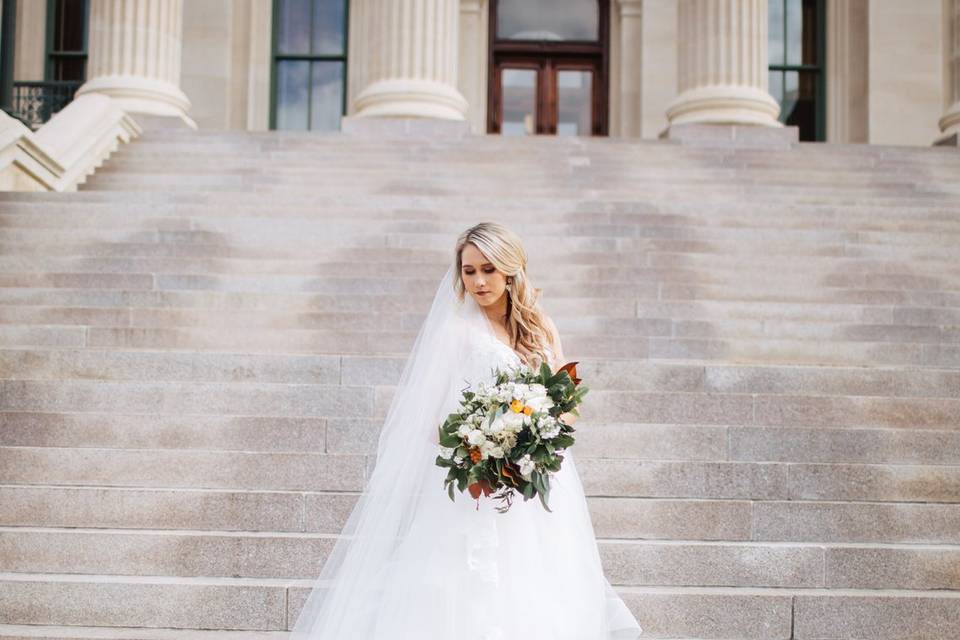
<point>470,273</point>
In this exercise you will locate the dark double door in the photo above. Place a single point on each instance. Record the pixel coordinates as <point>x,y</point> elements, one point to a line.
<point>548,67</point>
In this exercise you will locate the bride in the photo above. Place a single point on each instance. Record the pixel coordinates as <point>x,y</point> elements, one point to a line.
<point>412,564</point>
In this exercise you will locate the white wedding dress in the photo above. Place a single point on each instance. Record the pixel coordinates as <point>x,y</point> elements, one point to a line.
<point>525,574</point>
<point>413,565</point>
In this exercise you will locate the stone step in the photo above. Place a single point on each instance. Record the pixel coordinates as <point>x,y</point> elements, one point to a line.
<point>74,632</point>
<point>364,401</point>
<point>571,234</point>
<point>367,277</point>
<point>183,553</point>
<point>600,440</point>
<point>613,517</point>
<point>630,375</point>
<point>466,207</point>
<point>560,308</point>
<point>582,199</point>
<point>804,352</point>
<point>635,477</point>
<point>584,328</point>
<point>666,612</point>
<point>587,222</point>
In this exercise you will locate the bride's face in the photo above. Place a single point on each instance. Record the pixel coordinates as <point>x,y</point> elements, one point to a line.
<point>480,278</point>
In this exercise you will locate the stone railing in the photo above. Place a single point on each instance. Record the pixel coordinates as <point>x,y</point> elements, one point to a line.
<point>64,151</point>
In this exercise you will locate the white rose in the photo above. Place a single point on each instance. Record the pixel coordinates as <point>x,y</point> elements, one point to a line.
<point>541,403</point>
<point>512,420</point>
<point>476,437</point>
<point>464,429</point>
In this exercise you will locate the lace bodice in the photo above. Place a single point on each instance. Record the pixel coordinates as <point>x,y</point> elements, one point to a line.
<point>489,352</point>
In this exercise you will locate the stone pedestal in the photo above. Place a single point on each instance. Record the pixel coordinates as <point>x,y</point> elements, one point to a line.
<point>723,64</point>
<point>135,48</point>
<point>411,60</point>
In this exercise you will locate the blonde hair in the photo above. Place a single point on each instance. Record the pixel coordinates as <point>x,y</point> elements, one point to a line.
<point>529,334</point>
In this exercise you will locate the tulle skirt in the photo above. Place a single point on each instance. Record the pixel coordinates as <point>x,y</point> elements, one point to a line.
<point>466,571</point>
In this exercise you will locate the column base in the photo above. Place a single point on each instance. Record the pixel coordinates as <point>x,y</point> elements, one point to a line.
<point>949,140</point>
<point>732,135</point>
<point>950,126</point>
<point>725,104</point>
<point>136,94</point>
<point>410,98</point>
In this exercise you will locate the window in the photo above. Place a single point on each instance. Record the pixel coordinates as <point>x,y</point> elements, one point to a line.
<point>309,64</point>
<point>796,52</point>
<point>67,40</point>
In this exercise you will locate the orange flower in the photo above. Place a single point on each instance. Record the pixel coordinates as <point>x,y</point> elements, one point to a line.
<point>516,406</point>
<point>527,410</point>
<point>475,455</point>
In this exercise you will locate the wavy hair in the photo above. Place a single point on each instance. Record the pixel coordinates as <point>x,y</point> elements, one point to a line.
<point>529,335</point>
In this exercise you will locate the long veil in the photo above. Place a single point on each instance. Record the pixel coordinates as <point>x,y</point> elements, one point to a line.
<point>346,594</point>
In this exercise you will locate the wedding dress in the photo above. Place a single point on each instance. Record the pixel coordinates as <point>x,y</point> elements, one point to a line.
<point>435,569</point>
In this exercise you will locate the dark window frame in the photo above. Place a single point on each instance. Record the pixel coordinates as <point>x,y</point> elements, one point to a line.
<point>276,58</point>
<point>51,55</point>
<point>818,70</point>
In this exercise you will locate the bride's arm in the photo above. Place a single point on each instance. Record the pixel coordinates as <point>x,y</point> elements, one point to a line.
<point>558,361</point>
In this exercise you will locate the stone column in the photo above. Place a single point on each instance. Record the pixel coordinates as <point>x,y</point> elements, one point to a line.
<point>411,60</point>
<point>950,122</point>
<point>723,64</point>
<point>135,48</point>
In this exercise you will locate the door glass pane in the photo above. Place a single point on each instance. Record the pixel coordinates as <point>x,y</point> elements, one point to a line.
<point>548,20</point>
<point>293,35</point>
<point>326,103</point>
<point>519,91</point>
<point>775,35</point>
<point>328,27</point>
<point>795,29</point>
<point>574,99</point>
<point>292,86</point>
<point>775,87</point>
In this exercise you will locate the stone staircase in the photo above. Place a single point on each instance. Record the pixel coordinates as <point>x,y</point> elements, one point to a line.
<point>199,347</point>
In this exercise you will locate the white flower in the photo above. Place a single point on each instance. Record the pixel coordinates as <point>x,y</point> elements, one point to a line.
<point>541,403</point>
<point>446,452</point>
<point>464,429</point>
<point>458,460</point>
<point>537,389</point>
<point>476,437</point>
<point>513,421</point>
<point>549,427</point>
<point>527,465</point>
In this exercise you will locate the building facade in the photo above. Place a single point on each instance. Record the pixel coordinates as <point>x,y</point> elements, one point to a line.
<point>861,71</point>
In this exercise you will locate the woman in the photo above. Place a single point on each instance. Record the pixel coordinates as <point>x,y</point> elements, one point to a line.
<point>411,563</point>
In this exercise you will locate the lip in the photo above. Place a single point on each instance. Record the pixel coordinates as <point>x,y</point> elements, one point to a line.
<point>482,293</point>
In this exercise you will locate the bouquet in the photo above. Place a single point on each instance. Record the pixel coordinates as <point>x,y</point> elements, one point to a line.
<point>508,437</point>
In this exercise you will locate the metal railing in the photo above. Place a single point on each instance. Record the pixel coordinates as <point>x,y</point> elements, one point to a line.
<point>36,102</point>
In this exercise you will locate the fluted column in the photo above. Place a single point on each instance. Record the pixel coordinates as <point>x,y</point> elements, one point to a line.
<point>411,60</point>
<point>723,64</point>
<point>950,122</point>
<point>135,48</point>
